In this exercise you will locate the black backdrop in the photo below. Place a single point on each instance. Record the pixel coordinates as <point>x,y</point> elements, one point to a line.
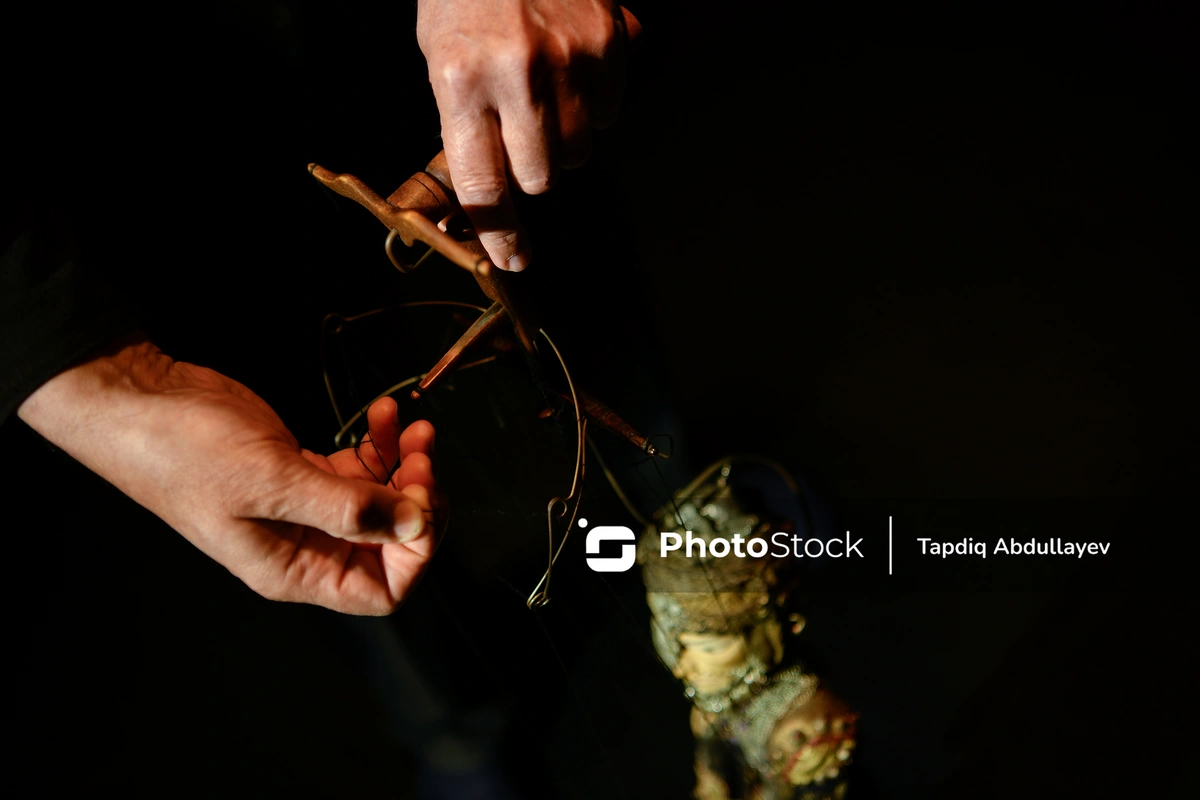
<point>920,253</point>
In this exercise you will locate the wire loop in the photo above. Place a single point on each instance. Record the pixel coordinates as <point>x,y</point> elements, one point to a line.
<point>541,596</point>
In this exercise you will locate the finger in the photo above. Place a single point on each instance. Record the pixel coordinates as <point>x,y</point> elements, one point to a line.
<point>416,470</point>
<point>328,572</point>
<point>632,28</point>
<point>417,438</point>
<point>416,448</point>
<point>604,101</point>
<point>350,578</point>
<point>403,564</point>
<point>382,436</point>
<point>422,497</point>
<point>363,587</point>
<point>604,84</point>
<point>575,129</point>
<point>375,457</point>
<point>475,155</point>
<point>525,124</point>
<point>433,504</point>
<point>353,510</point>
<point>602,80</point>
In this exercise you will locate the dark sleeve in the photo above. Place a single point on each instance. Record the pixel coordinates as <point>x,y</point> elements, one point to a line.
<point>54,307</point>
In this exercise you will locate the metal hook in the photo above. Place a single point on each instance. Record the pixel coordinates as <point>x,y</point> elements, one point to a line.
<point>539,596</point>
<point>397,263</point>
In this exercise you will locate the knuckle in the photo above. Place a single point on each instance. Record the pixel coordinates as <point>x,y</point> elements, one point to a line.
<point>246,495</point>
<point>459,75</point>
<point>465,69</point>
<point>517,58</point>
<point>481,190</point>
<point>421,462</point>
<point>499,240</point>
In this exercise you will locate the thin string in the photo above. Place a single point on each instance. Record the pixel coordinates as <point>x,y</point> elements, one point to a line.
<point>679,520</point>
<point>344,345</point>
<point>502,683</point>
<point>337,439</point>
<point>367,437</point>
<point>337,412</point>
<point>612,481</point>
<point>624,498</point>
<point>587,716</point>
<point>639,635</point>
<point>540,596</point>
<point>485,663</point>
<point>344,425</point>
<point>352,389</point>
<point>387,471</point>
<point>703,566</point>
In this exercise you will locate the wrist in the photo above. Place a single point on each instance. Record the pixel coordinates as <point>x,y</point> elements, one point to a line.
<point>112,376</point>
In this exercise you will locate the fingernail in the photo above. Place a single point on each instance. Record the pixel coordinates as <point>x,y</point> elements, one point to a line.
<point>409,521</point>
<point>517,262</point>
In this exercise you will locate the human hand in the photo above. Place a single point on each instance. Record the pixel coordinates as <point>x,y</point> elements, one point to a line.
<point>520,85</point>
<point>214,462</point>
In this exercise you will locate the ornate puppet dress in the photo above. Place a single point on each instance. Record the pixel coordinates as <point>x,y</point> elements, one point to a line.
<point>764,727</point>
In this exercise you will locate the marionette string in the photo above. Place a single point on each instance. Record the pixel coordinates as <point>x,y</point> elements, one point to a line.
<point>716,596</point>
<point>587,715</point>
<point>503,683</point>
<point>352,390</point>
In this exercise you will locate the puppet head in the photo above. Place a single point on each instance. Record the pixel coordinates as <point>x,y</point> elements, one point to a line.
<point>716,613</point>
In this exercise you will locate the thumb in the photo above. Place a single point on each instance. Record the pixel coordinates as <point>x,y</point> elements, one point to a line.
<point>350,509</point>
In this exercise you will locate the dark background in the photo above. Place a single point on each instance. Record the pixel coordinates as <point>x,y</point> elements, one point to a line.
<point>920,254</point>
